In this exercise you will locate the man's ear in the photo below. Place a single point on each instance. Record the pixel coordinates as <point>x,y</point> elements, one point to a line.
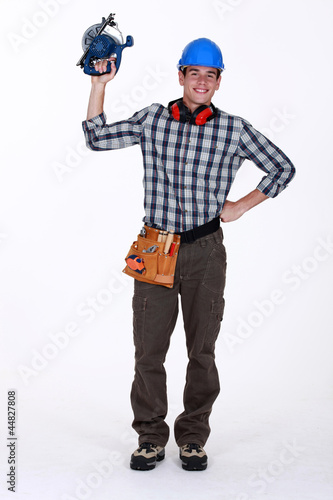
<point>181,78</point>
<point>218,82</point>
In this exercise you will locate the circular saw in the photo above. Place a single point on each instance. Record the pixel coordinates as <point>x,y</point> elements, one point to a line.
<point>100,42</point>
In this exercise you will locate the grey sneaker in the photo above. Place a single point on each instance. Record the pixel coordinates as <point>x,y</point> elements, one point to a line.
<point>193,457</point>
<point>146,456</point>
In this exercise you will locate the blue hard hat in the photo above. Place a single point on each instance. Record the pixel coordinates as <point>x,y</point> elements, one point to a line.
<point>202,52</point>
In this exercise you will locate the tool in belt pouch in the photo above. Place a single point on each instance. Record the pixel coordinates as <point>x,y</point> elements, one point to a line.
<point>152,258</point>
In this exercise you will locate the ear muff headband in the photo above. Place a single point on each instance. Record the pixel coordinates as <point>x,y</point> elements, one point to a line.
<point>200,116</point>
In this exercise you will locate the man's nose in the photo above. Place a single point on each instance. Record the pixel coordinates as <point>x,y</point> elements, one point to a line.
<point>202,79</point>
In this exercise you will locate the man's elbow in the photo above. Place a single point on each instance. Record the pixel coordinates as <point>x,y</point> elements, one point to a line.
<point>90,146</point>
<point>292,172</point>
<point>92,143</point>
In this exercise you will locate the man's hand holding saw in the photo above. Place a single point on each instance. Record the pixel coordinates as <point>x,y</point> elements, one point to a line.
<point>98,83</point>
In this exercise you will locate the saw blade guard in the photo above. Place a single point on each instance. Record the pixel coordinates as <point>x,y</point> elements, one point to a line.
<point>92,32</point>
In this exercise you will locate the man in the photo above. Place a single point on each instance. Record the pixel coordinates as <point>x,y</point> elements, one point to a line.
<point>191,153</point>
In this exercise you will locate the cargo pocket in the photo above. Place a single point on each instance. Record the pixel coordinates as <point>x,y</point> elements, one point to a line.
<point>139,306</point>
<point>215,318</point>
<point>215,272</point>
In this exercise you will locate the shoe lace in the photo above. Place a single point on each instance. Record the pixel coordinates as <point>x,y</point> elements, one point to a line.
<point>147,446</point>
<point>193,446</point>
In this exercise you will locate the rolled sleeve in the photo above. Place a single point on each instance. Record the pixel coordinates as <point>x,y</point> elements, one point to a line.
<point>101,136</point>
<point>97,121</point>
<point>268,157</point>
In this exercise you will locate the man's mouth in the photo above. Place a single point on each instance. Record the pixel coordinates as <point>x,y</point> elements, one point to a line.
<point>201,91</point>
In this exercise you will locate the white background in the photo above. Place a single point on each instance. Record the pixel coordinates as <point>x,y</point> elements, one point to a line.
<point>67,216</point>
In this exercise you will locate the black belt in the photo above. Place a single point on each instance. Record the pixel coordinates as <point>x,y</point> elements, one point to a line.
<point>200,231</point>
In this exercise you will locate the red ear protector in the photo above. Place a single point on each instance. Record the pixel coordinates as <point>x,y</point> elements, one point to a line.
<point>182,114</point>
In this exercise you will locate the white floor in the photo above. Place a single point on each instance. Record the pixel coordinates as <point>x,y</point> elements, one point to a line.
<point>76,447</point>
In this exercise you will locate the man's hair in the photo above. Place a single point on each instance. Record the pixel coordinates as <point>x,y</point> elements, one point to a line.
<point>218,71</point>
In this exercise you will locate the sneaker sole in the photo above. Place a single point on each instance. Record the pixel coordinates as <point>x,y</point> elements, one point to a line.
<point>194,463</point>
<point>141,463</point>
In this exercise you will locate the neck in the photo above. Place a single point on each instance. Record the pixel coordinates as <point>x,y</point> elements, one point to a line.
<point>193,106</point>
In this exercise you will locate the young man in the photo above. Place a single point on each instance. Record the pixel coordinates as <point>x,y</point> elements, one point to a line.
<point>191,153</point>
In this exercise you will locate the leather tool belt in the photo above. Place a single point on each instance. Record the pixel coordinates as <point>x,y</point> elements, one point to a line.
<point>154,261</point>
<point>151,260</point>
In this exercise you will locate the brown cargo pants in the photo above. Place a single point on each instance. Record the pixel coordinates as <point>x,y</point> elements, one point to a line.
<point>200,280</point>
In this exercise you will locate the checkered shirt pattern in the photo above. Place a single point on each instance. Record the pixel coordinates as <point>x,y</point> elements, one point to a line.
<point>189,169</point>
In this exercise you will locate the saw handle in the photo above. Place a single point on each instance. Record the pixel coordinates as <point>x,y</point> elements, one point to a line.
<point>112,49</point>
<point>119,49</point>
<point>93,72</point>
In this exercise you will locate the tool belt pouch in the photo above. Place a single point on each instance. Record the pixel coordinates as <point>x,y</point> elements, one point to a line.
<point>154,267</point>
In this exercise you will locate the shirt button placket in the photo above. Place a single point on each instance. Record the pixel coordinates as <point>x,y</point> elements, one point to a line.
<point>187,191</point>
<point>187,195</point>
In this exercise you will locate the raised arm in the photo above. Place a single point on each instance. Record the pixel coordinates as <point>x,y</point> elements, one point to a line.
<point>98,84</point>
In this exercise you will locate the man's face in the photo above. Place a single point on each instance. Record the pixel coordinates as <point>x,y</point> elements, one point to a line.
<point>200,84</point>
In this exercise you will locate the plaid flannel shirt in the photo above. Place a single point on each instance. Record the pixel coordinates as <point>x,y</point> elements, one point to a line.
<point>189,169</point>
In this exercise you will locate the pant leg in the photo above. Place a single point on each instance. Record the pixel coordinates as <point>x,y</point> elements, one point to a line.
<point>155,311</point>
<point>202,282</point>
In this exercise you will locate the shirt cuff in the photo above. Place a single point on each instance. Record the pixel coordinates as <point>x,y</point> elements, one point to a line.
<point>269,187</point>
<point>99,121</point>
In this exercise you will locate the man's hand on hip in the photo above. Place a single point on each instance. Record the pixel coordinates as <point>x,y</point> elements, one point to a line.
<point>233,210</point>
